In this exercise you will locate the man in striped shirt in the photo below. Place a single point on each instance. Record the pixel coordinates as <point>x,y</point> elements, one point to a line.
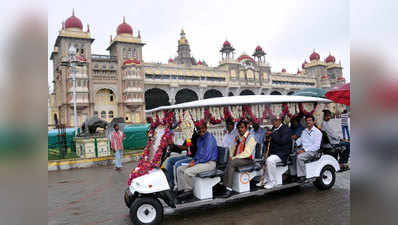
<point>344,124</point>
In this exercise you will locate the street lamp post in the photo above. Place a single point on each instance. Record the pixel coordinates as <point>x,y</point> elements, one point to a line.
<point>73,63</point>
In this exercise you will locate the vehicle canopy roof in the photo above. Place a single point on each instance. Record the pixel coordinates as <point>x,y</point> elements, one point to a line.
<point>242,100</point>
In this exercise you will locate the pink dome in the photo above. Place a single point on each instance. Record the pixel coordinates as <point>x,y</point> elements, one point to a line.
<point>245,56</point>
<point>226,43</point>
<point>124,28</point>
<point>330,59</point>
<point>314,56</point>
<point>73,22</point>
<point>258,48</point>
<point>283,70</point>
<point>171,60</point>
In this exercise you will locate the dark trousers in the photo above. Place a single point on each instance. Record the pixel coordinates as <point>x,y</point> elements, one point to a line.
<point>231,167</point>
<point>344,154</point>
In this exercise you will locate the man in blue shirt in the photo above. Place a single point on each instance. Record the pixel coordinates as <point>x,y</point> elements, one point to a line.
<point>258,133</point>
<point>296,127</point>
<point>204,159</point>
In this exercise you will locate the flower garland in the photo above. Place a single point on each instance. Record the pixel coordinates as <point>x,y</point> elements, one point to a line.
<point>269,112</point>
<point>145,164</point>
<point>306,113</point>
<point>227,113</point>
<point>164,141</point>
<point>285,111</point>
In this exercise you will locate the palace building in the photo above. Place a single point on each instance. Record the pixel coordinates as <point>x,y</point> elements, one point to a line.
<point>121,84</point>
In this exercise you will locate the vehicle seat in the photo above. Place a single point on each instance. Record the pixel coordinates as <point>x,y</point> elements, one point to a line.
<point>315,158</point>
<point>258,160</point>
<point>222,160</point>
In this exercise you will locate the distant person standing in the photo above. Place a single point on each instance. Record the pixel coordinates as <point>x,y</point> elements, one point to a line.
<point>344,124</point>
<point>117,145</point>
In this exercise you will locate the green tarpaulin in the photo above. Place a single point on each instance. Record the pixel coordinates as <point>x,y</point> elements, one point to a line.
<point>136,136</point>
<point>53,137</point>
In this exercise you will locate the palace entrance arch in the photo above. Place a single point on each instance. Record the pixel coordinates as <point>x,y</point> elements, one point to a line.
<point>105,105</point>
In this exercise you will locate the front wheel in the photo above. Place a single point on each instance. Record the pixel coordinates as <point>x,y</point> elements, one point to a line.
<point>326,179</point>
<point>146,211</point>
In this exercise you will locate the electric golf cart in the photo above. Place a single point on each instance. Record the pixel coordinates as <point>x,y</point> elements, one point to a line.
<point>149,196</point>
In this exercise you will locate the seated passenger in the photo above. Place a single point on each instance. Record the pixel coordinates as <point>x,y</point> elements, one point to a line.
<point>296,127</point>
<point>240,155</point>
<point>279,149</point>
<point>308,145</point>
<point>204,159</point>
<point>335,140</point>
<point>229,137</point>
<point>176,161</point>
<point>258,133</point>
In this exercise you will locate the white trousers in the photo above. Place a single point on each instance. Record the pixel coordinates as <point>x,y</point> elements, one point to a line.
<point>270,173</point>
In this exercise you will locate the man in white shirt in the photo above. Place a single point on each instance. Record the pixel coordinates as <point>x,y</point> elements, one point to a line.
<point>309,143</point>
<point>229,137</point>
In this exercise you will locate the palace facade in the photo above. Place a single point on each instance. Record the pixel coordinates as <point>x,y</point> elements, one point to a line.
<point>121,84</point>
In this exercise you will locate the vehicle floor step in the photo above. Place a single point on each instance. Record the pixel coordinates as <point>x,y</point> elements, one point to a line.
<point>218,199</point>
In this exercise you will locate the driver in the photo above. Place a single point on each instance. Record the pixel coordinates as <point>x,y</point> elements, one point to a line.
<point>240,154</point>
<point>204,159</point>
<point>176,161</point>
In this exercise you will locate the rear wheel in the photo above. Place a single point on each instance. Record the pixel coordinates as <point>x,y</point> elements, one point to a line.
<point>326,179</point>
<point>146,211</point>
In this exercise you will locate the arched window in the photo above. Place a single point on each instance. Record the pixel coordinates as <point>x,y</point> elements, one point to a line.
<point>110,114</point>
<point>103,115</point>
<point>111,95</point>
<point>135,54</point>
<point>129,53</point>
<point>96,113</point>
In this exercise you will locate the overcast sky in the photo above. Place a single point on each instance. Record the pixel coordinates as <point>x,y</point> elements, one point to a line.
<point>288,31</point>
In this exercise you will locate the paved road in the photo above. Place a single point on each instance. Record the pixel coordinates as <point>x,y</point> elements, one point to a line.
<point>94,196</point>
